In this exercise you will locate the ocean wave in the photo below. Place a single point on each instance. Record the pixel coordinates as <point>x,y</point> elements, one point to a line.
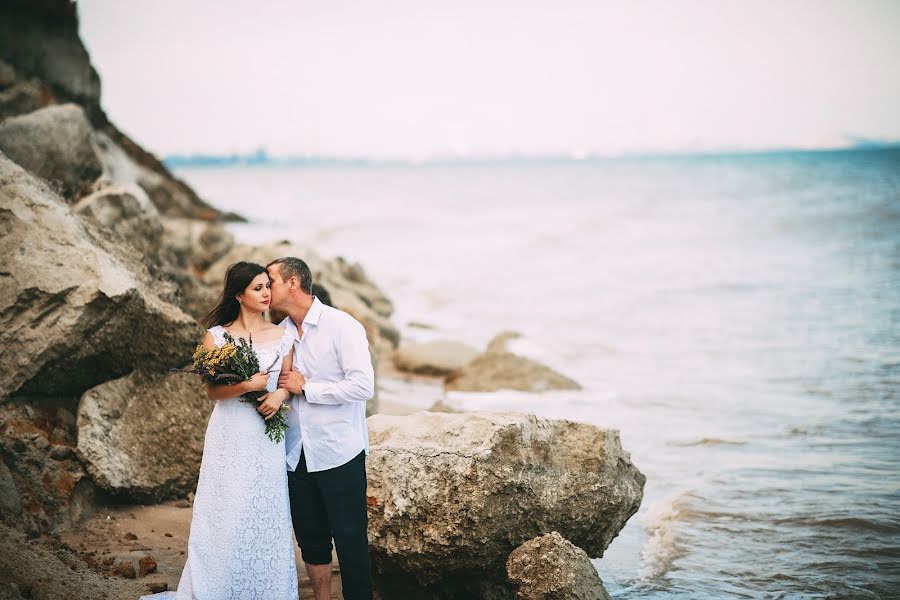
<point>663,547</point>
<point>854,523</point>
<point>708,441</point>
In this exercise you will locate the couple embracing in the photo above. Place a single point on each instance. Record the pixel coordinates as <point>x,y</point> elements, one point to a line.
<point>252,491</point>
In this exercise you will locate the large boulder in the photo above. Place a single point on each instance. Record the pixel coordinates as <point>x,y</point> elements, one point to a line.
<point>495,370</point>
<point>76,309</point>
<point>53,143</point>
<point>141,436</point>
<point>451,495</point>
<point>439,357</point>
<point>126,212</point>
<point>551,567</point>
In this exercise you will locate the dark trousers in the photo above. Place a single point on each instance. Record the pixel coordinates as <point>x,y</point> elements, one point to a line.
<point>328,505</point>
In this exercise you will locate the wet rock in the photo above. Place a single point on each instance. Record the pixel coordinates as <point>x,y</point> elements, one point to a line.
<point>77,308</point>
<point>503,370</point>
<point>53,143</point>
<point>141,436</point>
<point>552,568</point>
<point>451,495</point>
<point>434,358</point>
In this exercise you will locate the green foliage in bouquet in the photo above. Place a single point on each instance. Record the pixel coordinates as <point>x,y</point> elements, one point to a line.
<point>231,363</point>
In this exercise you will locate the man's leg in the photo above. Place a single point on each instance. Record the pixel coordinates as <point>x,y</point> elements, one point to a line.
<point>311,527</point>
<point>344,492</point>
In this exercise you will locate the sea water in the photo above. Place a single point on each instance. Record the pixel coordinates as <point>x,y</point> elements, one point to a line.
<point>737,318</point>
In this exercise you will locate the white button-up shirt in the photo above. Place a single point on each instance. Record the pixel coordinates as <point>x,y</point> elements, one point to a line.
<point>329,423</point>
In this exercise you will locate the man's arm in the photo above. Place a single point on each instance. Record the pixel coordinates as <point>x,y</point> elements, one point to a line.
<point>358,385</point>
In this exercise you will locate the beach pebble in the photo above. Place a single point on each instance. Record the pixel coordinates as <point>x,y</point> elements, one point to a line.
<point>126,570</point>
<point>146,566</point>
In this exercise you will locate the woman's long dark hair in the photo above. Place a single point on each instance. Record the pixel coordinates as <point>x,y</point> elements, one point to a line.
<point>237,278</point>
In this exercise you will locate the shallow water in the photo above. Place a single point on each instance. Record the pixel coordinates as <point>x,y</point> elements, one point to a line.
<point>737,318</point>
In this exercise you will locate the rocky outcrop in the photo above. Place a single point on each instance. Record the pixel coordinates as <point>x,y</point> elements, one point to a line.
<point>452,495</point>
<point>439,357</point>
<point>141,436</point>
<point>53,143</point>
<point>75,309</point>
<point>125,162</point>
<point>44,487</point>
<point>46,63</point>
<point>503,370</point>
<point>40,39</point>
<point>126,212</point>
<point>551,567</point>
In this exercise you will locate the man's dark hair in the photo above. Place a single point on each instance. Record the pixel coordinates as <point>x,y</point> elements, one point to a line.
<point>289,266</point>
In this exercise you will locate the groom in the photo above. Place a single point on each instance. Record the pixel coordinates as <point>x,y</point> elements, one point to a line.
<point>327,440</point>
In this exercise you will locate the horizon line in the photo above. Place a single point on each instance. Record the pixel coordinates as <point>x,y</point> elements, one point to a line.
<point>261,157</point>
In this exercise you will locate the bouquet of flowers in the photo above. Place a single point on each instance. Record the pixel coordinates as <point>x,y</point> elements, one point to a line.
<point>234,362</point>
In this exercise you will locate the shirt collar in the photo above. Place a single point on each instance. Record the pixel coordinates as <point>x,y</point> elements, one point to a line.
<point>314,312</point>
<point>311,318</point>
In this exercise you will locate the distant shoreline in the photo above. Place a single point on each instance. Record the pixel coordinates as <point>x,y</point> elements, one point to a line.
<point>261,158</point>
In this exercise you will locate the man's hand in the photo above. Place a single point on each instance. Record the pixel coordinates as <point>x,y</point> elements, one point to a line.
<point>271,402</point>
<point>292,381</point>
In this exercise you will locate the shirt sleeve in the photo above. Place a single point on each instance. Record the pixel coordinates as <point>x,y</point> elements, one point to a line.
<point>358,385</point>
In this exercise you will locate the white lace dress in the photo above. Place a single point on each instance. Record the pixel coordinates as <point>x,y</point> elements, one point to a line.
<point>241,545</point>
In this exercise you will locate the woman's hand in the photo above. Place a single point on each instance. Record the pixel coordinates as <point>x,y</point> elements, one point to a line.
<point>271,402</point>
<point>257,383</point>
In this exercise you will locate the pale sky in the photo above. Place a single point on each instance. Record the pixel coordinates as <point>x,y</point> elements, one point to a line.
<point>420,78</point>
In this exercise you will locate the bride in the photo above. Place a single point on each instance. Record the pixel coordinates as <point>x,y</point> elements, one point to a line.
<point>241,544</point>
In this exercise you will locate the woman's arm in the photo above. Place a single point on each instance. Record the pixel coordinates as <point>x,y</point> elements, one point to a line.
<point>220,392</point>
